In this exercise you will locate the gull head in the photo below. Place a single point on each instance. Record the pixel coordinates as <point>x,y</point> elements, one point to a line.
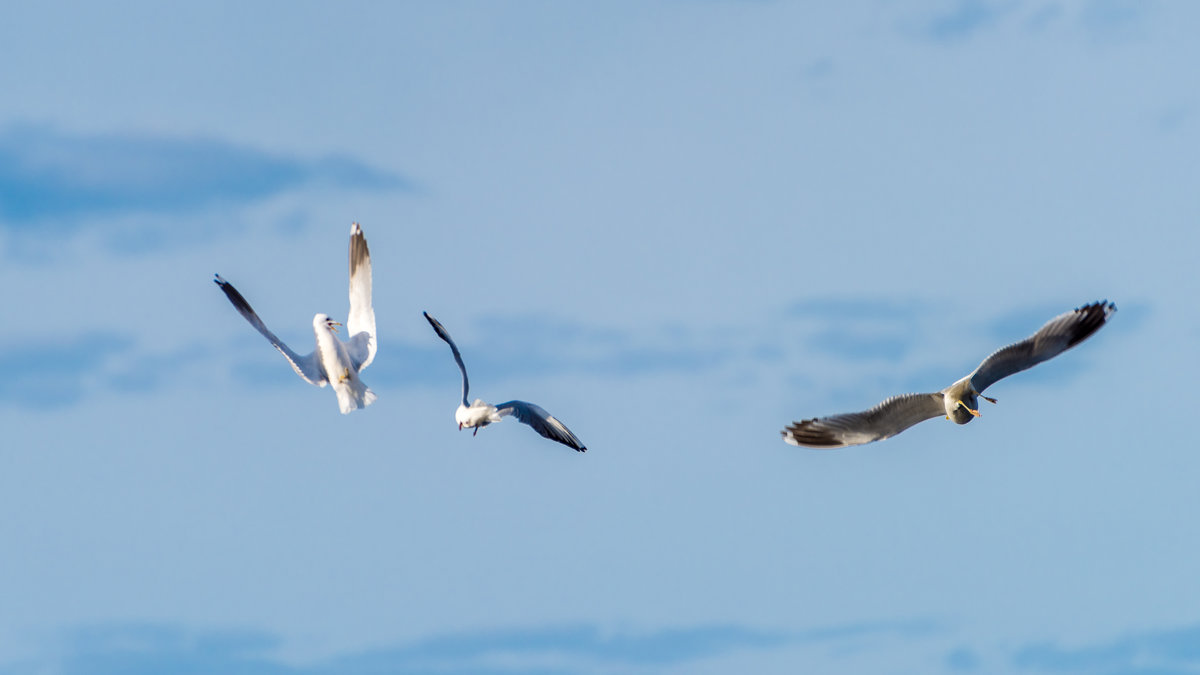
<point>961,401</point>
<point>961,414</point>
<point>464,417</point>
<point>323,321</point>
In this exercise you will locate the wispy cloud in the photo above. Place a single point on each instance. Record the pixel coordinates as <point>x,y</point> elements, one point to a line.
<point>153,649</point>
<point>531,346</point>
<point>1106,20</point>
<point>857,329</point>
<point>848,344</point>
<point>857,308</point>
<point>146,649</point>
<point>962,660</point>
<point>57,373</point>
<point>51,179</point>
<point>1113,19</point>
<point>964,18</point>
<point>1160,652</point>
<point>573,643</point>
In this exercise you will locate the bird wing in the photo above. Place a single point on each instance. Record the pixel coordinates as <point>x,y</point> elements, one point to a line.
<point>305,366</point>
<point>1057,336</point>
<point>883,421</point>
<point>441,331</point>
<point>360,325</point>
<point>542,422</point>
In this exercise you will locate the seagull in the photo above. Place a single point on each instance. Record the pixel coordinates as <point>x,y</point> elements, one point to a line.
<point>479,414</point>
<point>959,401</point>
<point>333,362</point>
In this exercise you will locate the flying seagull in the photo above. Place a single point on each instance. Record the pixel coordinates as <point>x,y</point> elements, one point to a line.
<point>479,414</point>
<point>333,362</point>
<point>959,401</point>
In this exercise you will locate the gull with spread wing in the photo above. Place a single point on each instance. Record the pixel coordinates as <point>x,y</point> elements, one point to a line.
<point>960,401</point>
<point>333,362</point>
<point>479,414</point>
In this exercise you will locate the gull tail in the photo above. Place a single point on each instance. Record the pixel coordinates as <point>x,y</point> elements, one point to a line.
<point>352,395</point>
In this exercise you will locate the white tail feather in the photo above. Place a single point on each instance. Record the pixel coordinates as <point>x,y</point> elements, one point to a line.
<point>352,395</point>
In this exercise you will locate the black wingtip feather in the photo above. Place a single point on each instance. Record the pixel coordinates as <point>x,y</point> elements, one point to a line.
<point>804,434</point>
<point>358,247</point>
<point>1095,316</point>
<point>437,326</point>
<point>232,293</point>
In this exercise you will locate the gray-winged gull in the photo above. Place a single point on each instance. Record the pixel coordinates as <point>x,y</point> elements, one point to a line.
<point>479,414</point>
<point>959,401</point>
<point>333,362</point>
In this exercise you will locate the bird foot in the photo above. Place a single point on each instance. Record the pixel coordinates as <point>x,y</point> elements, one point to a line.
<point>969,409</point>
<point>988,398</point>
<point>344,376</point>
<point>476,431</point>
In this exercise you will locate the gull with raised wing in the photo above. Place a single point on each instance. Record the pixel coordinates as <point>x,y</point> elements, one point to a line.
<point>479,414</point>
<point>333,362</point>
<point>960,401</point>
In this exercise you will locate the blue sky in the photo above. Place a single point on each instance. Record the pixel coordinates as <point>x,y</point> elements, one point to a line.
<point>679,226</point>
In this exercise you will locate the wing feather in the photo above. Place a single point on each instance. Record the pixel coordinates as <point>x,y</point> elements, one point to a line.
<point>542,422</point>
<point>442,333</point>
<point>883,421</point>
<point>1057,336</point>
<point>360,324</point>
<point>305,366</point>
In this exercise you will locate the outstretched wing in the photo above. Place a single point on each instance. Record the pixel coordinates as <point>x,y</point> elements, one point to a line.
<point>360,325</point>
<point>542,422</point>
<point>1057,336</point>
<point>305,366</point>
<point>441,331</point>
<point>883,421</point>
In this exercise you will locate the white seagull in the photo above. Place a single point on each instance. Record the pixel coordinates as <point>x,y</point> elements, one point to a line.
<point>333,362</point>
<point>959,401</point>
<point>479,414</point>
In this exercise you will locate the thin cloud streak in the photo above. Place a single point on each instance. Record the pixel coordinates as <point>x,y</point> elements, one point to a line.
<point>858,308</point>
<point>1174,650</point>
<point>57,373</point>
<point>967,17</point>
<point>149,648</point>
<point>50,179</point>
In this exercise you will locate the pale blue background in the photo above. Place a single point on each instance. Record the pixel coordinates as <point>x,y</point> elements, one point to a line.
<point>677,225</point>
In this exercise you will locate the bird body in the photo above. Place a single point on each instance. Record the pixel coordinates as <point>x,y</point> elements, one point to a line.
<point>338,367</point>
<point>960,401</point>
<point>477,415</point>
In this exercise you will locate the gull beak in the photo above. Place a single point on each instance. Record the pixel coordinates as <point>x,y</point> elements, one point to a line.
<point>333,325</point>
